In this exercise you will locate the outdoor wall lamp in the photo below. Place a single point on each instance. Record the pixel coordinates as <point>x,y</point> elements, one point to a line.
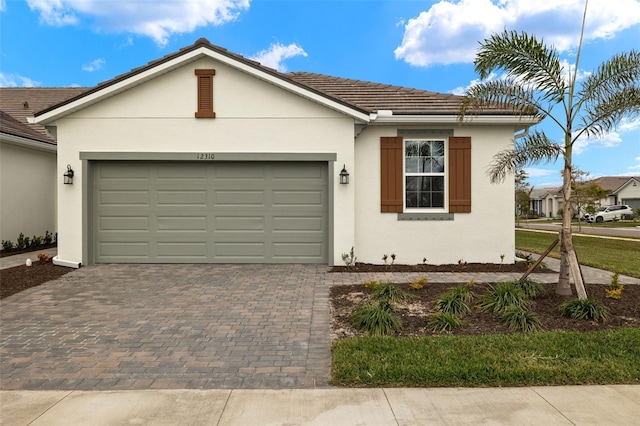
<point>68,176</point>
<point>344,176</point>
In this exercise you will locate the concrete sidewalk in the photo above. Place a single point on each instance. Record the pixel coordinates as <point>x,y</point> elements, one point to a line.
<point>560,405</point>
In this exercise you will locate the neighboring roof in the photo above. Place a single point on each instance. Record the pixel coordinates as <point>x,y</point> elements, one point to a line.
<point>540,193</point>
<point>361,97</point>
<point>18,103</point>
<point>612,183</point>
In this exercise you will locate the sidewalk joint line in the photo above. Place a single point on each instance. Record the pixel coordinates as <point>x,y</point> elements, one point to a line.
<point>390,406</point>
<point>224,408</point>
<point>552,406</point>
<point>48,409</point>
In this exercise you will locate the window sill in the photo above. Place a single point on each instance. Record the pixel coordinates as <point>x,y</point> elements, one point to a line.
<point>425,216</point>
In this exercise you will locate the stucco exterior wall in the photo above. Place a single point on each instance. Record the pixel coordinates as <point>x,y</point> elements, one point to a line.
<point>252,116</point>
<point>27,191</point>
<point>480,236</point>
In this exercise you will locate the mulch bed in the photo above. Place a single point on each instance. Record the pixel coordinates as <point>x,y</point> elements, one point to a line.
<point>418,309</point>
<point>19,278</point>
<point>468,267</point>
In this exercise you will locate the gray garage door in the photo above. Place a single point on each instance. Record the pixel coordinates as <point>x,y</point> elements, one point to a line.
<point>167,212</point>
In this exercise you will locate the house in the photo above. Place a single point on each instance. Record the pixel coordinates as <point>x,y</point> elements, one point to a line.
<point>204,156</point>
<point>547,202</point>
<point>27,163</point>
<point>620,190</point>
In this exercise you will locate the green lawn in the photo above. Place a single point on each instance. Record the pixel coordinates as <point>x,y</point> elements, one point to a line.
<point>612,255</point>
<point>545,358</point>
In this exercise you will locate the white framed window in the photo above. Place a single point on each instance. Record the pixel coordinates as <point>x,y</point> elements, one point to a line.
<point>425,174</point>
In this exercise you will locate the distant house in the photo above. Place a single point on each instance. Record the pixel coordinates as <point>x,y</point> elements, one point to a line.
<point>204,156</point>
<point>28,182</point>
<point>548,202</point>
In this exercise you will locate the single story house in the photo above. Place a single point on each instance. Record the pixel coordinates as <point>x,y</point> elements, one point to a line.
<point>27,163</point>
<point>547,202</point>
<point>204,156</point>
<point>620,190</point>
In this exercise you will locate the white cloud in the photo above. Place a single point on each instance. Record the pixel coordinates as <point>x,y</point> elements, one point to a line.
<point>637,166</point>
<point>17,80</point>
<point>95,65</point>
<point>53,12</point>
<point>533,172</point>
<point>450,30</point>
<point>608,140</point>
<point>157,19</point>
<point>3,5</point>
<point>274,56</point>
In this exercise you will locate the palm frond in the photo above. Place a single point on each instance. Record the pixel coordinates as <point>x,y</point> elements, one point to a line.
<point>523,57</point>
<point>505,94</point>
<point>534,148</point>
<point>600,118</point>
<point>611,93</point>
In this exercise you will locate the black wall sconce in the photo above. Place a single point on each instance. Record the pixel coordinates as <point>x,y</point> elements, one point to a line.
<point>68,176</point>
<point>344,176</point>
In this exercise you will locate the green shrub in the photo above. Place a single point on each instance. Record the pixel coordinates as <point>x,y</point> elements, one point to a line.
<point>444,321</point>
<point>456,301</point>
<point>520,318</point>
<point>584,309</point>
<point>376,320</point>
<point>7,245</point>
<point>503,296</point>
<point>530,288</point>
<point>389,292</point>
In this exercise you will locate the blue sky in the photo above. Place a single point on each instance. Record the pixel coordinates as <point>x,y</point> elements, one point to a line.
<point>424,44</point>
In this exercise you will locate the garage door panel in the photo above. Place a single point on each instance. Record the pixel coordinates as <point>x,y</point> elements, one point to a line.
<point>123,223</point>
<point>182,198</point>
<point>123,198</point>
<point>239,223</point>
<point>302,223</point>
<point>298,198</point>
<point>181,223</point>
<point>298,250</point>
<point>175,249</point>
<point>181,172</point>
<point>211,213</point>
<point>134,250</point>
<point>239,199</point>
<point>125,171</point>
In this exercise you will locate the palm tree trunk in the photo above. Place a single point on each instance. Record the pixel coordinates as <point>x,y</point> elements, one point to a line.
<point>567,251</point>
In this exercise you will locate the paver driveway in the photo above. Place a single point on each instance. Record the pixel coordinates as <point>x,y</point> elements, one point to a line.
<point>170,326</point>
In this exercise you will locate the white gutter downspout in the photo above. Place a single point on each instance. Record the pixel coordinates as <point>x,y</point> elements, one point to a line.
<point>524,133</point>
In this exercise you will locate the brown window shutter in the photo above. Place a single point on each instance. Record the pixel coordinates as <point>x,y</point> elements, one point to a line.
<point>391,174</point>
<point>459,175</point>
<point>205,93</point>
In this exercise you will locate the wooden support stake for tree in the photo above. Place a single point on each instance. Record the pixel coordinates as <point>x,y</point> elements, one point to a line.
<point>535,265</point>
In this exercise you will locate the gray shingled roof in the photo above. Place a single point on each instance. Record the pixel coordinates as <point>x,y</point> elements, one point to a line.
<point>363,96</point>
<point>18,103</point>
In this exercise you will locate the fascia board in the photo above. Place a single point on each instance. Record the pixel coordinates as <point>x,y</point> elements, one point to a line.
<point>180,61</point>
<point>481,120</point>
<point>28,143</point>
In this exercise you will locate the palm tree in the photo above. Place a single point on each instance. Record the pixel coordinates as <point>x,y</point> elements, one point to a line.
<point>535,84</point>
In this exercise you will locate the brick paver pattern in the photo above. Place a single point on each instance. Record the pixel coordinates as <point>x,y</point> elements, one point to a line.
<point>178,326</point>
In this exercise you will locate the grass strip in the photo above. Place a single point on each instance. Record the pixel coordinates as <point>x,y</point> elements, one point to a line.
<point>608,254</point>
<point>541,358</point>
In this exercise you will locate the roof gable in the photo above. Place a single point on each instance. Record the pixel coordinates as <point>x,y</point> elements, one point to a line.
<point>200,49</point>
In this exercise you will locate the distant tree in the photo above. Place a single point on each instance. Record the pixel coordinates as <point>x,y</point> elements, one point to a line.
<point>536,84</point>
<point>585,194</point>
<point>522,195</point>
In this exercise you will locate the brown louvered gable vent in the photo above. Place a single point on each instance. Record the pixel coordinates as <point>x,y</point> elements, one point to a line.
<point>391,174</point>
<point>459,175</point>
<point>205,93</point>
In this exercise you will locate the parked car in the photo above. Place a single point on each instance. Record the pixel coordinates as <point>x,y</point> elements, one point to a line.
<point>609,213</point>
